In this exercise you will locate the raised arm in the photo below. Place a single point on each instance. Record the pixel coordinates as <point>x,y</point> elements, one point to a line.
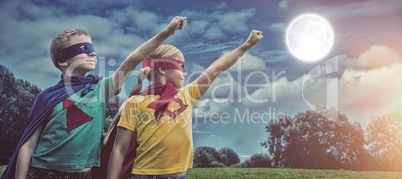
<point>222,64</point>
<point>143,51</point>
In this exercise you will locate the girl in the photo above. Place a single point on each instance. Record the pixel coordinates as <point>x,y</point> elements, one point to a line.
<point>160,116</point>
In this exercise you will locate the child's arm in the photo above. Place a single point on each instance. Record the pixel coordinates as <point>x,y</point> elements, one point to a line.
<point>25,154</point>
<point>143,51</point>
<point>222,64</point>
<point>123,139</point>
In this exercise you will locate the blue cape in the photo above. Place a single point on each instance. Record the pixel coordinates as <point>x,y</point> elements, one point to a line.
<point>42,107</point>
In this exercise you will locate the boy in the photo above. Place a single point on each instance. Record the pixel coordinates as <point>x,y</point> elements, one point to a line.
<point>64,129</point>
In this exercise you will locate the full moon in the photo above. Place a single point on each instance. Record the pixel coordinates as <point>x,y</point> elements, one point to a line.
<point>309,37</point>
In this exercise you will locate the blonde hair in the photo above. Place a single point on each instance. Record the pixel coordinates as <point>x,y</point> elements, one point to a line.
<point>61,42</point>
<point>166,51</point>
<point>163,51</point>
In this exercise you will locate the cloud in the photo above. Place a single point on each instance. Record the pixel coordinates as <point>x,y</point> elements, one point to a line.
<point>219,98</point>
<point>137,21</point>
<point>281,95</point>
<point>215,137</point>
<point>198,27</point>
<point>247,63</point>
<point>200,108</point>
<point>220,5</point>
<point>374,58</point>
<point>205,48</point>
<point>277,28</point>
<point>284,4</point>
<point>361,93</point>
<point>371,92</point>
<point>196,68</point>
<point>211,31</point>
<point>226,86</point>
<point>197,128</point>
<point>275,55</point>
<point>364,89</point>
<point>146,21</point>
<point>350,35</point>
<point>361,8</point>
<point>214,33</point>
<point>235,21</point>
<point>218,21</point>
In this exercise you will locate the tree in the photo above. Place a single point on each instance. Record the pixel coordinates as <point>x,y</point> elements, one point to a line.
<point>257,161</point>
<point>16,98</point>
<point>384,140</point>
<point>206,157</point>
<point>310,140</point>
<point>229,156</point>
<point>113,106</point>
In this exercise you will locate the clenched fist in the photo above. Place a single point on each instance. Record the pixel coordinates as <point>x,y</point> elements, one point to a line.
<point>177,23</point>
<point>254,37</point>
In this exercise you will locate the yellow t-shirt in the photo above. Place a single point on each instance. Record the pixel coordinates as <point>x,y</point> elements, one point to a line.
<point>165,146</point>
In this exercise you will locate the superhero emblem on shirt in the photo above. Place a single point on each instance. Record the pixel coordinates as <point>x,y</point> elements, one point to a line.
<point>75,116</point>
<point>172,114</point>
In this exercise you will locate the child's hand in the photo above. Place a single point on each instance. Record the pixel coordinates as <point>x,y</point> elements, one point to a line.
<point>177,23</point>
<point>254,37</point>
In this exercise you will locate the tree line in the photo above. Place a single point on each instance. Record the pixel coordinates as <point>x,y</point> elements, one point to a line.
<point>311,141</point>
<point>16,98</point>
<point>209,157</point>
<point>308,140</point>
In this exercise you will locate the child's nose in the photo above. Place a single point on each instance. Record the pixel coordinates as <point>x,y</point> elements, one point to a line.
<point>185,74</point>
<point>92,54</point>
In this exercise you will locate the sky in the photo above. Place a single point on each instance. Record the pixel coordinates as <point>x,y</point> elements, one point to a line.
<point>361,75</point>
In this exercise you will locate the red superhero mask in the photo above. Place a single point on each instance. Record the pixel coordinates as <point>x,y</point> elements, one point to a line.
<point>164,63</point>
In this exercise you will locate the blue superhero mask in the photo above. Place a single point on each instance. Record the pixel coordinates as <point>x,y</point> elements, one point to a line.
<point>73,51</point>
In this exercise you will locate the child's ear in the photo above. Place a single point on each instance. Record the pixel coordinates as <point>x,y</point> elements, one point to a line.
<point>63,64</point>
<point>162,71</point>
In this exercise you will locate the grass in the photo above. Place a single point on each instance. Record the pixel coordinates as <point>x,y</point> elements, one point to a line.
<point>284,173</point>
<point>2,168</point>
<point>278,173</point>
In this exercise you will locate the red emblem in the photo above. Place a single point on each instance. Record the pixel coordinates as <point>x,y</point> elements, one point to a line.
<point>172,114</point>
<point>75,116</point>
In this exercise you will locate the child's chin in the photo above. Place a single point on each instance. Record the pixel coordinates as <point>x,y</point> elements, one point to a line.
<point>91,68</point>
<point>178,85</point>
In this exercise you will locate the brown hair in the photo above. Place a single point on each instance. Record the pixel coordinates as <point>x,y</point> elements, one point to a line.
<point>61,42</point>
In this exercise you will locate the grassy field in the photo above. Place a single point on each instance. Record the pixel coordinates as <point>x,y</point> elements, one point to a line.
<point>2,168</point>
<point>279,173</point>
<point>284,173</point>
